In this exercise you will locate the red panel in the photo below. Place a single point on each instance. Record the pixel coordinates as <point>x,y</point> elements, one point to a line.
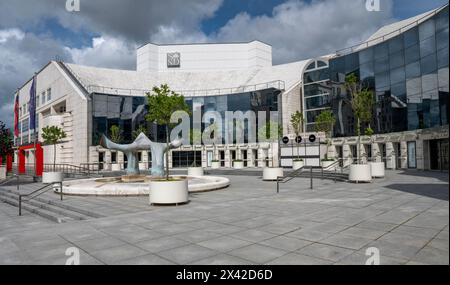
<point>9,163</point>
<point>21,161</point>
<point>1,160</point>
<point>39,160</point>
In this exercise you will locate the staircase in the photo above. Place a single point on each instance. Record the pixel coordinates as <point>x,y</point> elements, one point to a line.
<point>51,209</point>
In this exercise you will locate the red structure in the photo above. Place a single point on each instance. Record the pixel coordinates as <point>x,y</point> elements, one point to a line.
<point>9,162</point>
<point>39,159</point>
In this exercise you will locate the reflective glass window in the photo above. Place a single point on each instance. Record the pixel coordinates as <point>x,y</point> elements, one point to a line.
<point>442,20</point>
<point>395,44</point>
<point>381,50</point>
<point>442,58</point>
<point>382,79</point>
<point>428,64</point>
<point>412,54</point>
<point>411,37</point>
<point>428,46</point>
<point>429,82</point>
<point>442,39</point>
<point>413,86</point>
<point>412,70</point>
<point>426,29</point>
<point>381,65</point>
<point>366,55</point>
<point>397,75</point>
<point>396,60</point>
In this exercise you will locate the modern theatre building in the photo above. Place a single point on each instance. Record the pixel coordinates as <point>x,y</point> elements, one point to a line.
<point>405,64</point>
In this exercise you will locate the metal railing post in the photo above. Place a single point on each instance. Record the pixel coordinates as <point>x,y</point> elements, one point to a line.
<point>18,183</point>
<point>61,190</point>
<point>20,205</point>
<point>311,178</point>
<point>278,185</point>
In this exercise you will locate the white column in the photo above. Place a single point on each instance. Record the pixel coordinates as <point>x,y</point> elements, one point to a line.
<point>376,153</point>
<point>404,154</point>
<point>390,156</point>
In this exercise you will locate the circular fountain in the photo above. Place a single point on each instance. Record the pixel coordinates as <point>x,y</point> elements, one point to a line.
<point>137,185</point>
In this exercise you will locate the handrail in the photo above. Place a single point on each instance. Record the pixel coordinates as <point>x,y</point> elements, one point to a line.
<point>366,44</point>
<point>292,175</point>
<point>38,190</point>
<point>277,84</point>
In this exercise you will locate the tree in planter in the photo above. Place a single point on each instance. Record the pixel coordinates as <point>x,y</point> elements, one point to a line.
<point>53,135</point>
<point>324,123</point>
<point>297,120</point>
<point>362,104</point>
<point>270,132</point>
<point>162,103</point>
<point>138,131</point>
<point>196,135</point>
<point>6,141</point>
<point>115,134</point>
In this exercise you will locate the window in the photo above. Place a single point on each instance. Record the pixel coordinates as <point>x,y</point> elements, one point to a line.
<point>410,37</point>
<point>397,75</point>
<point>412,54</point>
<point>428,64</point>
<point>395,45</point>
<point>428,46</point>
<point>37,101</point>
<point>321,64</point>
<point>381,51</point>
<point>382,79</point>
<point>49,94</point>
<point>442,39</point>
<point>20,111</point>
<point>396,60</point>
<point>381,65</point>
<point>413,70</point>
<point>43,98</point>
<point>426,30</point>
<point>366,55</point>
<point>311,66</point>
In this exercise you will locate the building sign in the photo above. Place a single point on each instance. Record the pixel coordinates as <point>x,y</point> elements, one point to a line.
<point>173,60</point>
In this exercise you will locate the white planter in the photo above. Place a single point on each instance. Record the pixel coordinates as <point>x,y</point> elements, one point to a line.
<point>360,173</point>
<point>2,172</point>
<point>326,164</point>
<point>377,169</point>
<point>238,164</point>
<point>297,164</point>
<point>143,166</point>
<point>52,177</point>
<point>169,192</point>
<point>215,165</point>
<point>115,167</point>
<point>272,174</point>
<point>195,171</point>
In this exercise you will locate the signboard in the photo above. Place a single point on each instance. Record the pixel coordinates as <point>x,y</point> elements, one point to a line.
<point>312,138</point>
<point>298,139</point>
<point>285,140</point>
<point>173,60</point>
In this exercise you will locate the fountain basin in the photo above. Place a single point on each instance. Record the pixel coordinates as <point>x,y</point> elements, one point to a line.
<point>115,186</point>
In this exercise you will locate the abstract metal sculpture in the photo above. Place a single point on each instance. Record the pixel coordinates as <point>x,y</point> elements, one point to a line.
<point>142,142</point>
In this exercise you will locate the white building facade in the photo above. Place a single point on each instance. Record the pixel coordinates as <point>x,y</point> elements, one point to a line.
<point>87,101</point>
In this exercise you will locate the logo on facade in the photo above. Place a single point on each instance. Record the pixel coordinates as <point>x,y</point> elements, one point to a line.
<point>173,60</point>
<point>373,5</point>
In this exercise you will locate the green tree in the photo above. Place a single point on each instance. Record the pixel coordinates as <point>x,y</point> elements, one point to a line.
<point>115,134</point>
<point>162,103</point>
<point>362,101</point>
<point>324,123</point>
<point>297,120</point>
<point>53,135</point>
<point>138,131</point>
<point>6,141</point>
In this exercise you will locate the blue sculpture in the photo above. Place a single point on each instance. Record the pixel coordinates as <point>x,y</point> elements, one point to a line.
<point>142,142</point>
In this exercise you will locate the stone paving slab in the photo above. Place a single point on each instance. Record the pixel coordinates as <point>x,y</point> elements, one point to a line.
<point>248,223</point>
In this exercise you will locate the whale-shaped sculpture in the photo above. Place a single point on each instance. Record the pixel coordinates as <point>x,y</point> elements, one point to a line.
<point>142,142</point>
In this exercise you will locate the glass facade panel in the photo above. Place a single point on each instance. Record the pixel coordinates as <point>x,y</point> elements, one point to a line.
<point>411,68</point>
<point>129,112</point>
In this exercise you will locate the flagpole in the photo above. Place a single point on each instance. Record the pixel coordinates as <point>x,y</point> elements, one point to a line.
<point>34,132</point>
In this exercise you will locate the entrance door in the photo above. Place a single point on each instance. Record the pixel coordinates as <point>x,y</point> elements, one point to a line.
<point>439,155</point>
<point>412,160</point>
<point>101,160</point>
<point>209,158</point>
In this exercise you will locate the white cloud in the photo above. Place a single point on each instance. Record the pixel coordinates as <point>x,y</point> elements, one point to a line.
<point>10,33</point>
<point>106,52</point>
<point>298,29</point>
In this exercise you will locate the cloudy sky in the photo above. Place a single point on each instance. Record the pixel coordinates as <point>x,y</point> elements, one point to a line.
<point>106,32</point>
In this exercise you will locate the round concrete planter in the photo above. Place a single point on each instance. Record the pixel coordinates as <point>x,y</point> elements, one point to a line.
<point>377,169</point>
<point>272,173</point>
<point>2,172</point>
<point>115,167</point>
<point>215,165</point>
<point>360,173</point>
<point>238,164</point>
<point>196,171</point>
<point>327,163</point>
<point>52,177</point>
<point>169,192</point>
<point>297,164</point>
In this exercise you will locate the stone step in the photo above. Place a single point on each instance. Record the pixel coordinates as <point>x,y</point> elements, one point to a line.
<point>56,209</point>
<point>36,210</point>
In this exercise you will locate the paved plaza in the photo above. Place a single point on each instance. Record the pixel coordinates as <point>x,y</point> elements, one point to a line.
<point>405,216</point>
